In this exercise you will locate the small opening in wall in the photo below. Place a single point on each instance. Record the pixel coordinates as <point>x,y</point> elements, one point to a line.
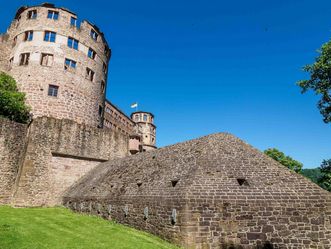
<point>242,182</point>
<point>139,184</point>
<point>111,186</point>
<point>174,183</point>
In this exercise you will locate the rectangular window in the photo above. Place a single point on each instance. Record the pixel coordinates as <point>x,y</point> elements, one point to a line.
<point>107,51</point>
<point>100,110</point>
<point>94,34</point>
<point>49,36</point>
<point>32,14</point>
<point>89,74</point>
<point>104,67</point>
<point>53,15</point>
<point>24,59</point>
<point>91,53</point>
<point>46,60</point>
<point>14,41</point>
<point>72,43</point>
<point>69,64</point>
<point>53,90</point>
<point>73,21</point>
<point>11,61</point>
<point>28,35</point>
<point>103,87</point>
<point>145,117</point>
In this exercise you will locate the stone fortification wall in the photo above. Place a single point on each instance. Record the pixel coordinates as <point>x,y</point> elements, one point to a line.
<point>12,146</point>
<point>4,52</point>
<point>212,192</point>
<point>54,155</point>
<point>80,96</point>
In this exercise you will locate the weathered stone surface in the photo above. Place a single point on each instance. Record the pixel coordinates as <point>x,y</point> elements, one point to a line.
<point>40,162</point>
<point>203,181</point>
<point>12,146</point>
<point>78,97</point>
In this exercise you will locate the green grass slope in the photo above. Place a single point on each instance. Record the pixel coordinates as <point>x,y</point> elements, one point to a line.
<point>59,228</point>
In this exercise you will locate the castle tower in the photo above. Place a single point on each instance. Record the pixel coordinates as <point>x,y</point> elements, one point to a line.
<point>146,129</point>
<point>59,63</point>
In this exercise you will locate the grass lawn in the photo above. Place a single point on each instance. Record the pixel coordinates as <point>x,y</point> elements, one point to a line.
<point>59,228</point>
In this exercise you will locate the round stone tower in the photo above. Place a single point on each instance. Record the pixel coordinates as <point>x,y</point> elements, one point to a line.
<point>145,128</point>
<point>60,63</point>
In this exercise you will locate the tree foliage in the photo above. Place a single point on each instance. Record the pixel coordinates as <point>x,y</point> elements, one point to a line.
<point>313,174</point>
<point>287,161</point>
<point>325,180</point>
<point>12,102</point>
<point>320,80</point>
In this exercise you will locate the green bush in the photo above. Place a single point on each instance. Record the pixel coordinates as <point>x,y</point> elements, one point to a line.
<point>12,102</point>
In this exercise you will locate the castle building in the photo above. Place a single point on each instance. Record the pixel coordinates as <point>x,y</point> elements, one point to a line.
<point>61,65</point>
<point>115,119</point>
<point>145,128</point>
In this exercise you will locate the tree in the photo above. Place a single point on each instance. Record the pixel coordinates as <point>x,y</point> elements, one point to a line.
<point>325,180</point>
<point>313,174</point>
<point>320,80</point>
<point>287,161</point>
<point>12,102</point>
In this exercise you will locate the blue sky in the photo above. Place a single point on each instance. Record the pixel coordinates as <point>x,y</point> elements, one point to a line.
<point>212,66</point>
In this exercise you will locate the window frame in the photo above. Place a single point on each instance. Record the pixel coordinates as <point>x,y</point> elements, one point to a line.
<point>53,15</point>
<point>48,56</point>
<point>54,91</point>
<point>71,65</point>
<point>94,35</point>
<point>73,23</point>
<point>51,36</point>
<point>73,43</point>
<point>89,74</point>
<point>24,59</point>
<point>91,54</point>
<point>28,35</point>
<point>32,14</point>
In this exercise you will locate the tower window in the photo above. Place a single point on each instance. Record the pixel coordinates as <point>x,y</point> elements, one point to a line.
<point>69,64</point>
<point>28,35</point>
<point>46,60</point>
<point>24,59</point>
<point>91,53</point>
<point>103,86</point>
<point>14,41</point>
<point>73,21</point>
<point>32,14</point>
<point>89,74</point>
<point>73,43</point>
<point>53,15</point>
<point>104,67</point>
<point>100,110</point>
<point>49,36</point>
<point>11,61</point>
<point>94,34</point>
<point>53,90</point>
<point>145,117</point>
<point>107,51</point>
